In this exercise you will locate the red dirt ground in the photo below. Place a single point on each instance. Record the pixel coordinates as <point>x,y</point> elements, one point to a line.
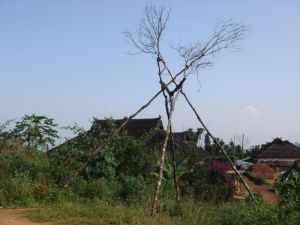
<point>16,217</point>
<point>267,193</point>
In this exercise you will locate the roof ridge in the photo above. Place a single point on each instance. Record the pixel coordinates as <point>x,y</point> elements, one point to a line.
<point>279,149</point>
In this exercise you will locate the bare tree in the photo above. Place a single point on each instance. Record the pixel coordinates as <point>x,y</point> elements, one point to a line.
<point>195,57</point>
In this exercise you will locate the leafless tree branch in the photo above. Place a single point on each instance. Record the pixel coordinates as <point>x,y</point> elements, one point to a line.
<point>195,56</point>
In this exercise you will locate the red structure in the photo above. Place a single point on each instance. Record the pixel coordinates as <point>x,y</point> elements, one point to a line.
<point>262,170</point>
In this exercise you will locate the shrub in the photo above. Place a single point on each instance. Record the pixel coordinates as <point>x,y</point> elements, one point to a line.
<point>210,182</point>
<point>215,166</point>
<point>254,214</point>
<point>46,192</point>
<point>288,190</point>
<point>131,190</point>
<point>17,190</point>
<point>79,187</point>
<point>99,189</point>
<point>258,198</point>
<point>256,179</point>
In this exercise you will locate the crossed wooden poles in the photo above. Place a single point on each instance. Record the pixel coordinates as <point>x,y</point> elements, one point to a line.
<point>164,87</point>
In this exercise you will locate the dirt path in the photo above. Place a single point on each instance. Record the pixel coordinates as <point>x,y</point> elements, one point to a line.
<point>16,217</point>
<point>267,193</point>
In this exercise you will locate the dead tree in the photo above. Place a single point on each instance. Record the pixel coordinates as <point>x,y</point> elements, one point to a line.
<point>195,57</point>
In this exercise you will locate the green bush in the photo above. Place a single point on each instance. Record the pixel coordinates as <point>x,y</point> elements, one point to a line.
<point>17,190</point>
<point>46,192</point>
<point>131,190</point>
<point>208,186</point>
<point>288,190</point>
<point>254,214</point>
<point>99,189</point>
<point>258,198</point>
<point>256,179</point>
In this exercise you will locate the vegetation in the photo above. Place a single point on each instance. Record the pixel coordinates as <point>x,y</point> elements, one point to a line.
<point>118,186</point>
<point>187,213</point>
<point>256,179</point>
<point>288,190</point>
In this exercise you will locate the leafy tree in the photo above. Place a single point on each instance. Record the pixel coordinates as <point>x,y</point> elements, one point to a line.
<point>194,136</point>
<point>4,132</point>
<point>215,149</point>
<point>254,150</point>
<point>288,191</point>
<point>7,142</point>
<point>207,143</point>
<point>36,131</point>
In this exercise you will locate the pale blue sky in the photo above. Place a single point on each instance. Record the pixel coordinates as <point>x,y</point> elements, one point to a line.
<point>67,60</point>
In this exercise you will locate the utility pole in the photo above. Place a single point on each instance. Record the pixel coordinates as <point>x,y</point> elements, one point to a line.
<point>234,147</point>
<point>243,145</point>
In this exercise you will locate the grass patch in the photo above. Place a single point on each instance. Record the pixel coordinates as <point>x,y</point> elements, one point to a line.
<point>256,179</point>
<point>102,213</point>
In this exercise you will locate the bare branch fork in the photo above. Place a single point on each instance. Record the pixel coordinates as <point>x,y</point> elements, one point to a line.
<point>195,57</point>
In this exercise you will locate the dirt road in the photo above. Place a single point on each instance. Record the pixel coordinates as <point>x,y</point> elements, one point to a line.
<point>267,194</point>
<point>16,217</point>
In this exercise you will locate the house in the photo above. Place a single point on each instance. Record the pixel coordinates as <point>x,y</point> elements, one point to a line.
<point>278,154</point>
<point>150,130</point>
<point>137,128</point>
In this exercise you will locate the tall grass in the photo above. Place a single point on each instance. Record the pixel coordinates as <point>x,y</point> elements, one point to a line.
<point>100,213</point>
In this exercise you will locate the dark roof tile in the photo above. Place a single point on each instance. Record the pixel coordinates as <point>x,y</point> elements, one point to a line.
<point>279,149</point>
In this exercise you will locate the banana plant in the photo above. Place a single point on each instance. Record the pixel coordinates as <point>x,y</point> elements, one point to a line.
<point>181,169</point>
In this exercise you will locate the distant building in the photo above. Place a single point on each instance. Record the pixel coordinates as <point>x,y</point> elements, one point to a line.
<point>278,154</point>
<point>151,130</point>
<point>137,128</point>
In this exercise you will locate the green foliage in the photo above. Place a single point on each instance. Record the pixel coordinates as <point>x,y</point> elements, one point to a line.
<point>254,150</point>
<point>131,190</point>
<point>258,198</point>
<point>121,176</point>
<point>194,136</point>
<point>4,131</point>
<point>25,179</point>
<point>254,214</point>
<point>132,157</point>
<point>7,142</point>
<point>207,143</point>
<point>168,176</point>
<point>256,179</point>
<point>188,213</point>
<point>288,191</point>
<point>208,186</point>
<point>100,189</point>
<point>36,131</point>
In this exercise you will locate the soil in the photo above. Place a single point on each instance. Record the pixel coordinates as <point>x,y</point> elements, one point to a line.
<point>16,217</point>
<point>267,193</point>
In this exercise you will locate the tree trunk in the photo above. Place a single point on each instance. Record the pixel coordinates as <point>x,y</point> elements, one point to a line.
<point>162,159</point>
<point>176,185</point>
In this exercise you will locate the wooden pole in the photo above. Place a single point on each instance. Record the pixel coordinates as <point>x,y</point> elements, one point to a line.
<point>162,161</point>
<point>219,145</point>
<point>106,142</point>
